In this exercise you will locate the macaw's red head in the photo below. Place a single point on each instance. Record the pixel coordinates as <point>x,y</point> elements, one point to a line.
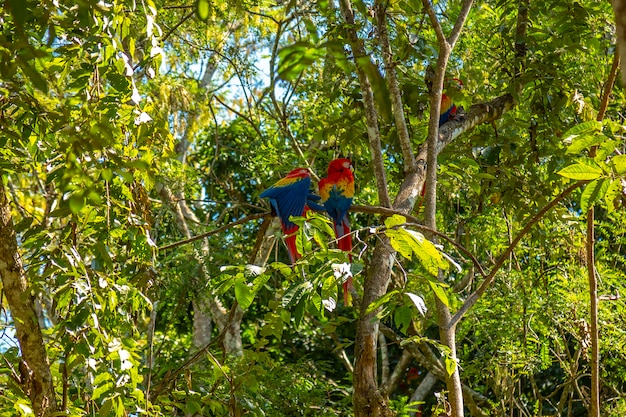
<point>340,165</point>
<point>298,173</point>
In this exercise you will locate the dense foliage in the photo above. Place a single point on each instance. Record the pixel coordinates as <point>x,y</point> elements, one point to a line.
<point>127,128</point>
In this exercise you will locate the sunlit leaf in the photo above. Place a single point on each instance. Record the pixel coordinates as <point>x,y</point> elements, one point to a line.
<point>579,171</point>
<point>590,127</point>
<point>613,195</point>
<point>619,164</point>
<point>450,365</point>
<point>593,192</point>
<point>382,300</point>
<point>394,220</point>
<point>439,292</point>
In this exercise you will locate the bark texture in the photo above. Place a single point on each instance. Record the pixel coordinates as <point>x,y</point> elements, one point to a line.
<point>36,380</point>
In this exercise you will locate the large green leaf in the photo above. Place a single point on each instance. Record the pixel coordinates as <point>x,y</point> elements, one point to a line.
<point>593,192</point>
<point>581,171</point>
<point>619,164</point>
<point>583,136</point>
<point>439,292</point>
<point>243,292</point>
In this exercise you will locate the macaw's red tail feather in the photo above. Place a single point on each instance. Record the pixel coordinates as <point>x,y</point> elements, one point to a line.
<point>290,241</point>
<point>348,286</point>
<point>344,242</point>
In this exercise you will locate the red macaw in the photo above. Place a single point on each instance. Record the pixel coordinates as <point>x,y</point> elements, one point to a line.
<point>448,108</point>
<point>290,197</point>
<point>337,191</point>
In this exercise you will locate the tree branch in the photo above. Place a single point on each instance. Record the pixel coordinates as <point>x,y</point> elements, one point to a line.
<point>214,231</point>
<point>371,114</point>
<point>410,165</point>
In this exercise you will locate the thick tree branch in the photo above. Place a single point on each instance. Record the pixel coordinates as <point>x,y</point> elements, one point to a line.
<point>398,373</point>
<point>446,331</point>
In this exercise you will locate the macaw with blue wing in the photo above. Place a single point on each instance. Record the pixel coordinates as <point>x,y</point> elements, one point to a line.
<point>448,108</point>
<point>290,196</point>
<point>337,191</point>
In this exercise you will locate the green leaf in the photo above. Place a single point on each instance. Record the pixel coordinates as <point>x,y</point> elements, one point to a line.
<point>379,86</point>
<point>593,192</point>
<point>450,365</point>
<point>590,128</point>
<point>76,202</point>
<point>243,292</point>
<point>294,59</point>
<point>106,408</point>
<point>427,253</point>
<point>613,195</point>
<point>101,389</point>
<point>619,164</point>
<point>580,171</point>
<point>400,242</point>
<point>402,318</point>
<point>382,300</point>
<point>35,77</point>
<point>295,293</point>
<point>583,142</point>
<point>203,9</point>
<point>439,292</point>
<point>394,220</point>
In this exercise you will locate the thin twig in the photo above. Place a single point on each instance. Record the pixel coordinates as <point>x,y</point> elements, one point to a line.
<point>214,231</point>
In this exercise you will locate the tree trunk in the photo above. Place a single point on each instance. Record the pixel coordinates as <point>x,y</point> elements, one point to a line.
<point>368,400</point>
<point>36,380</point>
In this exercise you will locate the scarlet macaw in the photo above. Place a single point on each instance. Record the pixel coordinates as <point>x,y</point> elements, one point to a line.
<point>337,191</point>
<point>290,197</point>
<point>448,108</point>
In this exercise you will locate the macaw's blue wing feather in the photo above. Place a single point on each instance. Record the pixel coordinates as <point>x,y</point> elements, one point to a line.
<point>311,201</point>
<point>288,197</point>
<point>337,205</point>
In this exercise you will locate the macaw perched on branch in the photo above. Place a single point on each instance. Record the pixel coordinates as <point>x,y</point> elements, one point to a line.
<point>337,191</point>
<point>447,112</point>
<point>290,197</point>
<point>448,108</point>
